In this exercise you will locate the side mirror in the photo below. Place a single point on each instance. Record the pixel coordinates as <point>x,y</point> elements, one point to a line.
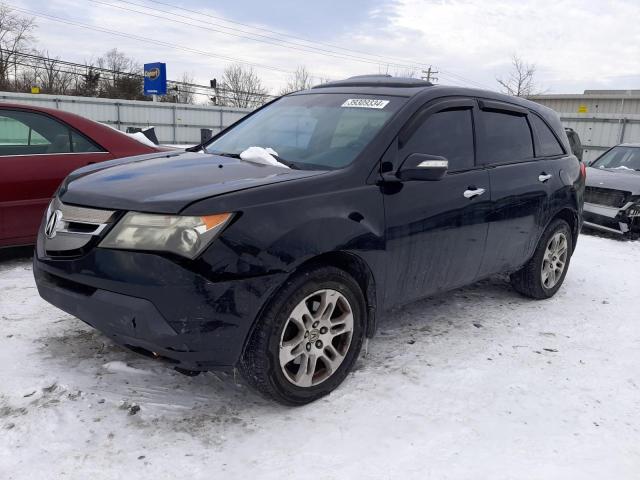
<point>420,166</point>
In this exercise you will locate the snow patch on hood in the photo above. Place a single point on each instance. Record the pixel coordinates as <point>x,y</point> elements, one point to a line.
<point>264,156</point>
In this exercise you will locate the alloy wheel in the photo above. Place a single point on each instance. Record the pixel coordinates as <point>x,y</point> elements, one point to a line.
<point>316,338</point>
<point>554,260</point>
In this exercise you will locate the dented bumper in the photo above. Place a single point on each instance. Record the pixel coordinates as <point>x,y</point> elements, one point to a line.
<point>621,221</point>
<point>155,306</point>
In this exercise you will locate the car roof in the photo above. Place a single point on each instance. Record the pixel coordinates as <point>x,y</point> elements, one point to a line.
<point>414,87</point>
<point>377,81</point>
<point>634,145</point>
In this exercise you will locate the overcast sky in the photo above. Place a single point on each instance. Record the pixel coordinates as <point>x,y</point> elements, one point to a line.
<point>575,44</point>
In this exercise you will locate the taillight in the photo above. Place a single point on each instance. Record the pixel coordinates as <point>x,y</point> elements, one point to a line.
<point>583,170</point>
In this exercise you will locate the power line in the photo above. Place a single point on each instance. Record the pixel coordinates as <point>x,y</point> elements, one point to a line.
<point>384,60</point>
<point>466,80</point>
<point>267,40</point>
<point>184,48</point>
<point>209,91</point>
<point>148,40</point>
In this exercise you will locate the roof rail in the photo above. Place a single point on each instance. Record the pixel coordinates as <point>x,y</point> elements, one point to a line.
<point>377,81</point>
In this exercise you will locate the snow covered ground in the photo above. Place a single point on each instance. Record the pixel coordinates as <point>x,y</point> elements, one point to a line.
<point>479,383</point>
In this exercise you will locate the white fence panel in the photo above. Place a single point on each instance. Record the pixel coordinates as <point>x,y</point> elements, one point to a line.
<point>175,123</point>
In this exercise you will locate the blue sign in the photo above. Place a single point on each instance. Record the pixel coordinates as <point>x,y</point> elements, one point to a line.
<point>155,78</point>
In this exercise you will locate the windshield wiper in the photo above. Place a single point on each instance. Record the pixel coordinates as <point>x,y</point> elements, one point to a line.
<point>225,154</point>
<point>283,161</point>
<point>288,163</point>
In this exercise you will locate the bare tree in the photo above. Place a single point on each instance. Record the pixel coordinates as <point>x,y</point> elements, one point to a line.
<point>123,78</point>
<point>241,87</point>
<point>298,80</point>
<point>521,81</point>
<point>25,77</point>
<point>15,35</point>
<point>52,76</point>
<point>87,83</point>
<point>185,93</point>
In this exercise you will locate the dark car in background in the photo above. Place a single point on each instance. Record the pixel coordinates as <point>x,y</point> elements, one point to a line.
<point>360,195</point>
<point>39,147</point>
<point>574,142</point>
<point>612,195</point>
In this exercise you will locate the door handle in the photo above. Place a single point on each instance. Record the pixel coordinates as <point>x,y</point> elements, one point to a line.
<point>543,177</point>
<point>473,192</point>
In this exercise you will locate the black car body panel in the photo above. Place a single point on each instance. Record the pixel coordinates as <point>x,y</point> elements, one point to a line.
<point>401,240</point>
<point>155,306</point>
<point>169,183</point>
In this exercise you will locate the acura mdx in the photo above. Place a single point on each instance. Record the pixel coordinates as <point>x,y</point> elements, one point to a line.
<point>276,246</point>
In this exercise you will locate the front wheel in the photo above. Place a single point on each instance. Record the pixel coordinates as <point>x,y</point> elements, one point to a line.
<point>544,274</point>
<point>308,338</point>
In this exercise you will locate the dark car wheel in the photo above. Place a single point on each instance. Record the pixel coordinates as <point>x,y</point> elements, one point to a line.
<point>544,274</point>
<point>308,338</point>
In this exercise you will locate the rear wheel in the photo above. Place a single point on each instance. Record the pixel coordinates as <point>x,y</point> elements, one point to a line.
<point>308,338</point>
<point>544,274</point>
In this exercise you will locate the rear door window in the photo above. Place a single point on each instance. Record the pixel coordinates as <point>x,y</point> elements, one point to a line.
<point>12,132</point>
<point>447,134</point>
<point>548,145</point>
<point>503,137</point>
<point>29,133</point>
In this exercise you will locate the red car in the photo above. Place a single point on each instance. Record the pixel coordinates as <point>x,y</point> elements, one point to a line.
<point>39,147</point>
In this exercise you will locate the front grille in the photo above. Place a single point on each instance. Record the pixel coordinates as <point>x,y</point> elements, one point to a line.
<point>69,230</point>
<point>606,196</point>
<point>74,214</point>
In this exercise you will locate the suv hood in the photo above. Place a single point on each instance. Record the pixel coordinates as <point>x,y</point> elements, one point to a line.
<point>625,180</point>
<point>167,183</point>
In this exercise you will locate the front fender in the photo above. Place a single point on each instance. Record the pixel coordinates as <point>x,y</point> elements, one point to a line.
<point>280,236</point>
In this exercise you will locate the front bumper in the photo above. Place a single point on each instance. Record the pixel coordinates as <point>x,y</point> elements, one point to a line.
<point>156,306</point>
<point>611,219</point>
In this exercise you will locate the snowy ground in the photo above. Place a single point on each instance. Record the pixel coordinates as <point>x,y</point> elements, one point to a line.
<point>475,384</point>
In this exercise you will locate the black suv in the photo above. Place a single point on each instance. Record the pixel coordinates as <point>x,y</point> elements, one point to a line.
<point>275,246</point>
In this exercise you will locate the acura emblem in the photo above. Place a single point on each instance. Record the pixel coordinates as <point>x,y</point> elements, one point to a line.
<point>51,227</point>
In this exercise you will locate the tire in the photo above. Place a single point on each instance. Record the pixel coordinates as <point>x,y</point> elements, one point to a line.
<point>530,280</point>
<point>264,362</point>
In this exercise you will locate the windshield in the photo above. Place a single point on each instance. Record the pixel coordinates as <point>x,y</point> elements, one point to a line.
<point>621,158</point>
<point>312,131</point>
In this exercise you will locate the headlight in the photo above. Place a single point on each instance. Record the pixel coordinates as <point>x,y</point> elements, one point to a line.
<point>186,236</point>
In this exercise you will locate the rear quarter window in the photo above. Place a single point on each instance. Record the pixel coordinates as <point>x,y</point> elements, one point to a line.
<point>548,145</point>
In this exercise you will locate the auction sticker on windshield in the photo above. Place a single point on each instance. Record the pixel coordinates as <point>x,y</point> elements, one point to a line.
<point>365,103</point>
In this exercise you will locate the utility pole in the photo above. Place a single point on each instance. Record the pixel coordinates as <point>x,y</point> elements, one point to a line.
<point>429,75</point>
